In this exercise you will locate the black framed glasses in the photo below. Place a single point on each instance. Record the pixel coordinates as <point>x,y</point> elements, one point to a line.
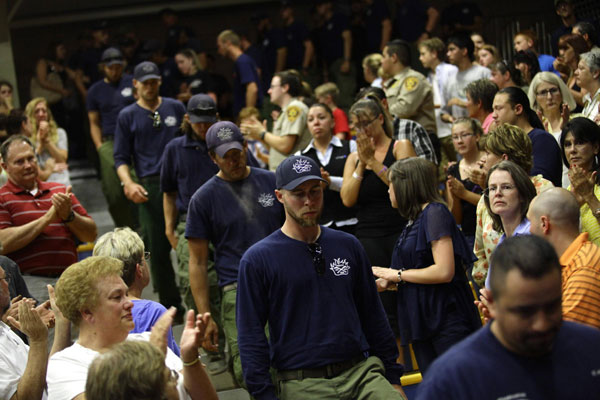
<point>552,91</point>
<point>317,256</point>
<point>362,125</point>
<point>156,122</point>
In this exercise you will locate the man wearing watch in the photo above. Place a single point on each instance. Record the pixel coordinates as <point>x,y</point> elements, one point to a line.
<point>39,221</point>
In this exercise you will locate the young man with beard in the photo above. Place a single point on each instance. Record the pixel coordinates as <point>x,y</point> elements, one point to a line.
<point>143,130</point>
<point>233,210</point>
<point>328,334</point>
<point>527,351</point>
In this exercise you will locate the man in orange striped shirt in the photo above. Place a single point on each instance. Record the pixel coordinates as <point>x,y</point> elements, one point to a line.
<point>554,215</point>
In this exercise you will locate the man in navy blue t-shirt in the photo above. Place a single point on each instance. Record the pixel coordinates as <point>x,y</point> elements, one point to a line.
<point>233,210</point>
<point>105,99</point>
<point>143,130</point>
<point>329,337</point>
<point>527,351</point>
<point>246,81</point>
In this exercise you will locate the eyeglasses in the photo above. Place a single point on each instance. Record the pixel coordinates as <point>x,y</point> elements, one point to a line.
<point>147,255</point>
<point>361,126</point>
<point>462,137</point>
<point>545,92</point>
<point>492,190</point>
<point>317,255</point>
<point>155,119</point>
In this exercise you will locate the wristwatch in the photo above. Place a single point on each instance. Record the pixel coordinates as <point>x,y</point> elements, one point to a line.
<point>401,281</point>
<point>70,218</point>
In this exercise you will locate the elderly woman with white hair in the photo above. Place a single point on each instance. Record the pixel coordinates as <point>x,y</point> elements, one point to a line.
<point>553,102</point>
<point>587,77</point>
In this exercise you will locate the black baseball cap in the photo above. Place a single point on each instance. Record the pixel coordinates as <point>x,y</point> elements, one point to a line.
<point>202,108</point>
<point>224,136</point>
<point>146,70</point>
<point>295,170</point>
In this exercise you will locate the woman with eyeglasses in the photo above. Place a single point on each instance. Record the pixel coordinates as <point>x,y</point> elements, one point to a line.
<point>462,194</point>
<point>507,196</point>
<point>330,153</point>
<point>580,145</point>
<point>553,103</point>
<point>434,303</point>
<point>365,185</point>
<point>505,142</point>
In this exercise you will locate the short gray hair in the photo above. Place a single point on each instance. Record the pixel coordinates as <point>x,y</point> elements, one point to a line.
<point>592,60</point>
<point>125,245</point>
<point>552,79</point>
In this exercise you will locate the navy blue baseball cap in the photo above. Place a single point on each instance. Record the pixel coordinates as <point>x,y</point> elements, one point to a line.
<point>295,170</point>
<point>146,70</point>
<point>224,136</point>
<point>112,56</point>
<point>202,108</point>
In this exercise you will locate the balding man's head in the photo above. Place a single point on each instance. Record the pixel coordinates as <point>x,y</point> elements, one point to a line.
<point>556,206</point>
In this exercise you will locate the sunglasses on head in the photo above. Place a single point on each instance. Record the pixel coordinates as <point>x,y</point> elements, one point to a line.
<point>317,255</point>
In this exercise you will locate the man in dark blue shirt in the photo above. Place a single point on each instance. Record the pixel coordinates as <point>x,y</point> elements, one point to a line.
<point>105,99</point>
<point>246,82</point>
<point>233,210</point>
<point>329,337</point>
<point>527,351</point>
<point>143,130</point>
<point>300,48</point>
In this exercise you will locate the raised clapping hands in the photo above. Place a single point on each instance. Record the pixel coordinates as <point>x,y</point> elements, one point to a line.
<point>582,183</point>
<point>365,149</point>
<point>30,323</point>
<point>62,203</point>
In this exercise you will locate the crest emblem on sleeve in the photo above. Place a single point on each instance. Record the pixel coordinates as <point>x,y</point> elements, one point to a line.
<point>293,113</point>
<point>301,166</point>
<point>411,83</point>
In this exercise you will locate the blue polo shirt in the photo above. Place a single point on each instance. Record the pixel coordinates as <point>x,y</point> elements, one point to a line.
<point>108,99</point>
<point>138,141</point>
<point>245,72</point>
<point>233,216</point>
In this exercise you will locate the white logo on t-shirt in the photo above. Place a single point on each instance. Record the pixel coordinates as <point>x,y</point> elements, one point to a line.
<point>126,92</point>
<point>170,121</point>
<point>339,267</point>
<point>225,133</point>
<point>266,199</point>
<point>196,83</point>
<point>301,166</point>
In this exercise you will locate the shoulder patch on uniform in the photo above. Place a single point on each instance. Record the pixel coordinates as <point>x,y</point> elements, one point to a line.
<point>411,83</point>
<point>293,112</point>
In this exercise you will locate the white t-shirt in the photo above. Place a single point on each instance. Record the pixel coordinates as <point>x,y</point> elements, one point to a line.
<point>13,361</point>
<point>456,87</point>
<point>67,369</point>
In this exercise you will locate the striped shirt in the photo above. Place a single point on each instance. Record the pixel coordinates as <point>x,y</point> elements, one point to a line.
<point>54,249</point>
<point>581,282</point>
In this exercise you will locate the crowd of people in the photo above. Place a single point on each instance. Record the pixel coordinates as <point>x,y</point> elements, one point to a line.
<point>325,225</point>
